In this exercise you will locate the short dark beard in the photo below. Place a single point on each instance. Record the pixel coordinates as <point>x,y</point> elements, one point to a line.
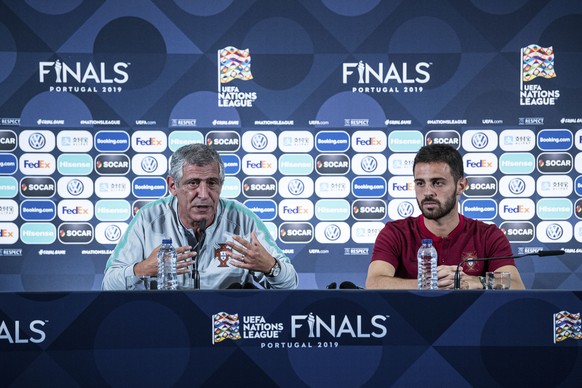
<point>441,210</point>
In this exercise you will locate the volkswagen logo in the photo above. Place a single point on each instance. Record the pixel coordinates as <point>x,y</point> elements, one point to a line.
<point>369,164</point>
<point>149,164</point>
<point>332,232</point>
<point>75,187</point>
<point>554,232</point>
<point>36,141</point>
<point>405,209</point>
<point>296,187</point>
<point>479,140</point>
<point>516,186</point>
<point>259,141</point>
<point>113,233</point>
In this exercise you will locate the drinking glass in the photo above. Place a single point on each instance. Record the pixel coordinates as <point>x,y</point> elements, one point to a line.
<point>498,280</point>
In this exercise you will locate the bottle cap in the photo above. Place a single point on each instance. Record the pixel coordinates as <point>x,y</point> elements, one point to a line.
<point>426,241</point>
<point>166,241</point>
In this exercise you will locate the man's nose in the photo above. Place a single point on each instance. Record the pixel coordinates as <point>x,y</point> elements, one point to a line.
<point>428,191</point>
<point>202,190</point>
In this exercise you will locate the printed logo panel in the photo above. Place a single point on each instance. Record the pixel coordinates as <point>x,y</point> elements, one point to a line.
<point>36,210</point>
<point>332,232</point>
<point>75,210</point>
<point>109,232</point>
<point>259,141</point>
<point>112,141</point>
<point>76,233</point>
<point>296,141</point>
<point>555,140</point>
<point>75,164</point>
<point>332,141</point>
<point>518,232</point>
<point>74,141</point>
<point>37,164</point>
<point>9,210</point>
<point>369,164</point>
<point>149,164</point>
<point>37,141</point>
<point>332,210</point>
<point>37,187</point>
<point>517,140</point>
<point>8,140</point>
<point>451,138</point>
<point>296,164</point>
<point>296,232</point>
<point>8,164</point>
<point>481,140</point>
<point>296,187</point>
<point>75,187</point>
<point>149,141</point>
<point>332,164</point>
<point>481,186</point>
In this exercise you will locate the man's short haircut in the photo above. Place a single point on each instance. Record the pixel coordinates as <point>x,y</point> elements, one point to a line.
<point>198,154</point>
<point>441,153</point>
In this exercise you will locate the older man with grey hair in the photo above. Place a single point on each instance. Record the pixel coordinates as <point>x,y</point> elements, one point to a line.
<point>237,248</point>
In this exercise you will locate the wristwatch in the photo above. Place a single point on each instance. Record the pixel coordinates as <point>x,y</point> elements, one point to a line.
<point>275,270</point>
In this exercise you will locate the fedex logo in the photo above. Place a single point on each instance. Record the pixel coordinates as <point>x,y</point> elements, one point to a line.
<point>372,141</point>
<point>259,164</point>
<point>295,210</point>
<point>37,164</point>
<point>75,210</point>
<point>403,186</point>
<point>152,141</point>
<point>6,233</point>
<point>516,209</point>
<point>479,163</point>
<point>253,164</point>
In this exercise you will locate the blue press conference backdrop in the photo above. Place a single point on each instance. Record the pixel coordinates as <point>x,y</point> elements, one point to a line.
<point>317,108</point>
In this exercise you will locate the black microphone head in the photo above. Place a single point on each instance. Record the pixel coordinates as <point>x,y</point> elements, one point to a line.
<point>250,286</point>
<point>550,253</point>
<point>331,286</point>
<point>347,285</point>
<point>234,286</point>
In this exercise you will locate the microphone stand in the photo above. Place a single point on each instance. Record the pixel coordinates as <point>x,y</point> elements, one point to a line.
<point>457,281</point>
<point>200,241</point>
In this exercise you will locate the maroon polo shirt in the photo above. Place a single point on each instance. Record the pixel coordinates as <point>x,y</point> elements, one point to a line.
<point>398,243</point>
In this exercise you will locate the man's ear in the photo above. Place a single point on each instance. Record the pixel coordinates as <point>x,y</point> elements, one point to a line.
<point>171,185</point>
<point>462,185</point>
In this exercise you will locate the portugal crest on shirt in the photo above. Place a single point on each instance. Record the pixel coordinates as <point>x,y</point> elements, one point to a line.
<point>220,254</point>
<point>469,256</point>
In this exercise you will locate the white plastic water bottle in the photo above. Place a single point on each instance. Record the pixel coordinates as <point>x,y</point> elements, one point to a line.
<point>167,276</point>
<point>427,266</point>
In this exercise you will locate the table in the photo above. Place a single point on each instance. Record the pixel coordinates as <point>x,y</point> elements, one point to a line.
<point>290,338</point>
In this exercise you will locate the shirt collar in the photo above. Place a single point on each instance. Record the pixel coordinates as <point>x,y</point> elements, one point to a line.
<point>434,237</point>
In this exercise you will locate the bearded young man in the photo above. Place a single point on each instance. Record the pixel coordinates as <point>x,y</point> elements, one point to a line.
<point>439,180</point>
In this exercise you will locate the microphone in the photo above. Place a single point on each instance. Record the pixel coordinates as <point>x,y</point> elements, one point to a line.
<point>457,282</point>
<point>199,242</point>
<point>349,286</point>
<point>234,286</point>
<point>550,253</point>
<point>331,286</point>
